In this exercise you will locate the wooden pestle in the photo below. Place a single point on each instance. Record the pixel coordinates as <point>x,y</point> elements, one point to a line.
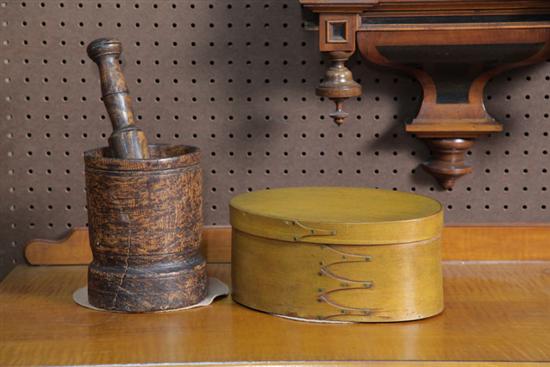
<point>127,141</point>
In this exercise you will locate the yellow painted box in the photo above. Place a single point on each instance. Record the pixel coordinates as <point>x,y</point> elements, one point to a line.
<point>337,254</point>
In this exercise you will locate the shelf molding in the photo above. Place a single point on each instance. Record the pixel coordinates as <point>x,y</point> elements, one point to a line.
<point>462,242</point>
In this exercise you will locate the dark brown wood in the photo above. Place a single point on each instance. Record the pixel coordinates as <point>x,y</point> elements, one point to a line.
<point>144,209</point>
<point>453,48</point>
<point>145,219</point>
<point>337,38</point>
<point>338,84</point>
<point>450,164</point>
<point>433,6</point>
<point>127,140</point>
<point>453,63</point>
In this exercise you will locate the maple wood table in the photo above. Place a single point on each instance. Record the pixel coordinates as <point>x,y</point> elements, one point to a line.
<point>496,313</point>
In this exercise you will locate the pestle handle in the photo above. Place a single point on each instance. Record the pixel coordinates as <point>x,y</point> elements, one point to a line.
<point>127,141</point>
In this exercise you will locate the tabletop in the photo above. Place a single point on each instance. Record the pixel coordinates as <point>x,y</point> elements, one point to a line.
<point>495,312</point>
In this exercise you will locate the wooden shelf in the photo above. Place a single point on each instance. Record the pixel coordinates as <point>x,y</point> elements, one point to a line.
<point>496,312</point>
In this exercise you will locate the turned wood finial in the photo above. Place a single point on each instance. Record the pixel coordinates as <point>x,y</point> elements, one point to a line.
<point>127,141</point>
<point>448,160</point>
<point>338,84</point>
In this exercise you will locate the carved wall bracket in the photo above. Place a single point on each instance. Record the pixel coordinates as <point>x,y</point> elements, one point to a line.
<point>453,48</point>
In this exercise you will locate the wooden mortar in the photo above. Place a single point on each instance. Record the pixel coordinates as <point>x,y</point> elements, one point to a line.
<point>145,219</point>
<point>144,209</point>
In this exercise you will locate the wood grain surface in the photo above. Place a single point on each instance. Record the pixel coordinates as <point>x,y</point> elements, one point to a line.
<point>495,313</point>
<point>145,223</point>
<point>483,242</point>
<point>519,242</point>
<point>337,215</point>
<point>343,283</point>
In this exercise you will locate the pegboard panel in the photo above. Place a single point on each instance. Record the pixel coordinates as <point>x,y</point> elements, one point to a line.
<point>237,79</point>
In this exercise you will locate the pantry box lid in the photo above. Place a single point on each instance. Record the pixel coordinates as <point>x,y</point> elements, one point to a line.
<point>337,215</point>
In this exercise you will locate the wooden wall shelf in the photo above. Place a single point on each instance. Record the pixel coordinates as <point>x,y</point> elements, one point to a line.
<point>453,48</point>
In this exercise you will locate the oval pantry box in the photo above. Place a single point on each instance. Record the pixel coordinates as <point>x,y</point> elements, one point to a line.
<point>337,254</point>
